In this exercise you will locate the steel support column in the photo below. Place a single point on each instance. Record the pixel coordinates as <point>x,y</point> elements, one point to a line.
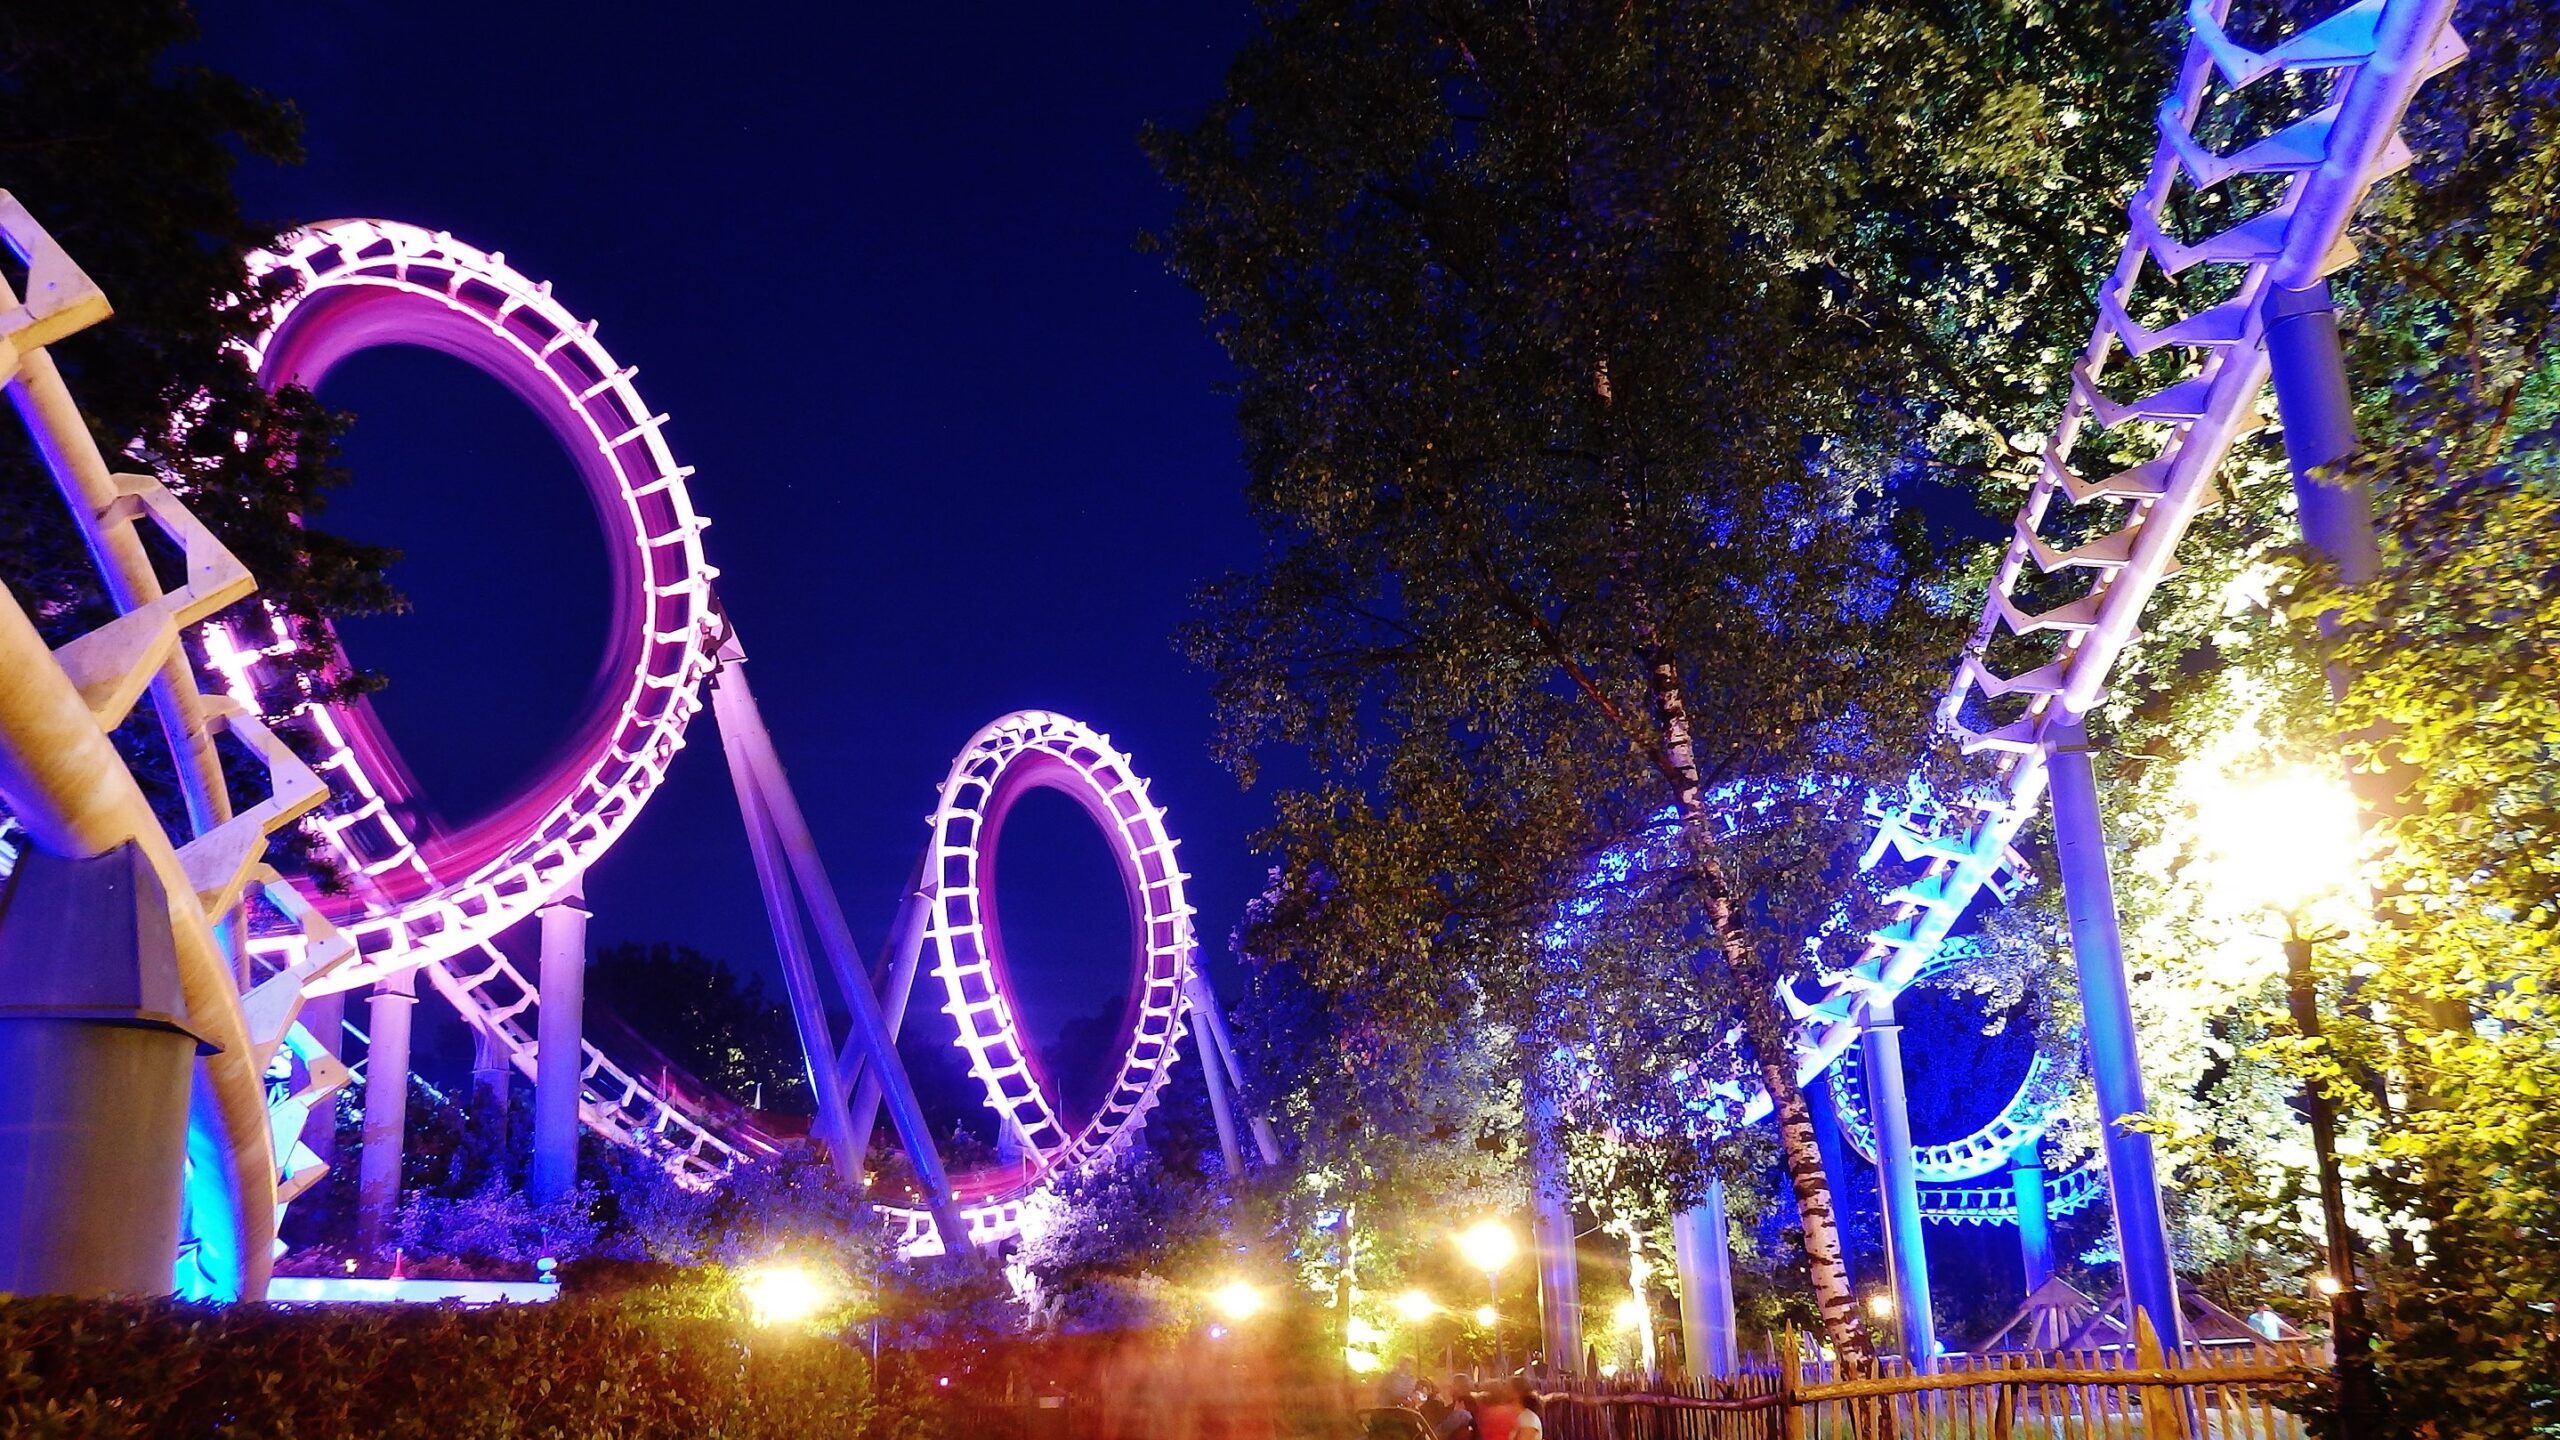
<point>1881,1047</point>
<point>1213,1074</point>
<point>905,947</point>
<point>2035,1226</point>
<point>386,1108</point>
<point>492,1078</point>
<point>2106,1003</point>
<point>1552,1237</point>
<point>560,1053</point>
<point>794,882</point>
<point>1702,1247</point>
<point>2319,417</point>
<point>1207,1014</point>
<point>2318,414</point>
<point>96,1059</point>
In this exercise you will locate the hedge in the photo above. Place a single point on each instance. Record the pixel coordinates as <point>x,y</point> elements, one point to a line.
<point>575,1370</point>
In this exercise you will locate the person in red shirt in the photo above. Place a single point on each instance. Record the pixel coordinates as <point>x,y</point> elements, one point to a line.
<point>1498,1411</point>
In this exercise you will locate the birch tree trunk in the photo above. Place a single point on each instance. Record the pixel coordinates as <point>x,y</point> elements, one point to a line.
<point>1766,1032</point>
<point>1766,1028</point>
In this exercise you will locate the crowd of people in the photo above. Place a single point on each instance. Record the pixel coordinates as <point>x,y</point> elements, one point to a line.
<point>1502,1409</point>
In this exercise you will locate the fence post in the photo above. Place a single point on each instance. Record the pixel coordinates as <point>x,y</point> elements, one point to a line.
<point>1790,1361</point>
<point>2168,1420</point>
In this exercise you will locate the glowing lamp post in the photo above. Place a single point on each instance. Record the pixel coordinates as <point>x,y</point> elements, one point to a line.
<point>1238,1301</point>
<point>1488,1245</point>
<point>782,1293</point>
<point>1415,1309</point>
<point>2284,844</point>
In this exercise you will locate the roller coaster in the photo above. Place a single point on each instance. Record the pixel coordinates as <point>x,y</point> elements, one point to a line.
<point>250,946</point>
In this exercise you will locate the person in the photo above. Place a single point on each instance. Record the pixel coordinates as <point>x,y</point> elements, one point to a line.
<point>1397,1389</point>
<point>1532,1424</point>
<point>1498,1414</point>
<point>1457,1417</point>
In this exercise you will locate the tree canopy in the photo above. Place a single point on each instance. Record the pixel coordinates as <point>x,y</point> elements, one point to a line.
<point>1598,368</point>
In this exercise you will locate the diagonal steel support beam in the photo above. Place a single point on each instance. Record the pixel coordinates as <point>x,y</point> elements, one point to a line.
<point>906,945</point>
<point>795,882</point>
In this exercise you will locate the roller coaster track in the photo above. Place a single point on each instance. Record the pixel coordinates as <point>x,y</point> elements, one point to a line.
<point>65,784</point>
<point>2026,671</point>
<point>439,902</point>
<point>359,283</point>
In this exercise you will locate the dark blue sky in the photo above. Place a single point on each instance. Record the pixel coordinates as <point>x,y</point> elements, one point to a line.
<point>963,447</point>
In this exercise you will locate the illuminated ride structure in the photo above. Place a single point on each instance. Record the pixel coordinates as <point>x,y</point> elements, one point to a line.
<point>211,950</point>
<point>264,979</point>
<point>2034,667</point>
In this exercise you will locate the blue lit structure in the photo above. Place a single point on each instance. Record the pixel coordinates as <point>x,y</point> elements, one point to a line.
<point>2027,679</point>
<point>2021,691</point>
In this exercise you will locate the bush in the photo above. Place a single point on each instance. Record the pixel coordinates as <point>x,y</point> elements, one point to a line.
<point>621,1367</point>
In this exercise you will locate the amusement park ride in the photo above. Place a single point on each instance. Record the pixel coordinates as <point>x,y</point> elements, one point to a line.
<point>170,1003</point>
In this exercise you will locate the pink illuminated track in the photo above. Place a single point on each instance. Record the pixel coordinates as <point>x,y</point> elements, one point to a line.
<point>1024,751</point>
<point>357,284</point>
<point>441,900</point>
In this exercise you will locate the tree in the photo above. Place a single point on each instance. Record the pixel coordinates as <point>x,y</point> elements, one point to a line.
<point>696,1012</point>
<point>2452,710</point>
<point>2439,1047</point>
<point>127,159</point>
<point>1578,493</point>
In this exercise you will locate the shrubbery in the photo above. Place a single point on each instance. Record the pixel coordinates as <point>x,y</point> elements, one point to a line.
<point>637,1365</point>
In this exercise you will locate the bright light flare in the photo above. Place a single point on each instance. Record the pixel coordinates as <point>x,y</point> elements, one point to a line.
<point>1880,1305</point>
<point>1413,1307</point>
<point>1361,1361</point>
<point>1360,1332</point>
<point>1238,1300</point>
<point>1488,1245</point>
<point>1629,1314</point>
<point>1485,1316</point>
<point>784,1293</point>
<point>2327,1285</point>
<point>2283,839</point>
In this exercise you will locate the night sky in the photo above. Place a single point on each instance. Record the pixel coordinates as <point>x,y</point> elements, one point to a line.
<point>964,448</point>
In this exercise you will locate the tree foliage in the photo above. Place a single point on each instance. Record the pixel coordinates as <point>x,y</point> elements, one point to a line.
<point>2437,971</point>
<point>126,158</point>
<point>1589,357</point>
<point>703,1016</point>
<point>2454,710</point>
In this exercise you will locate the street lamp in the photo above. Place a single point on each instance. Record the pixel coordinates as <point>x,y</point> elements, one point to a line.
<point>2286,842</point>
<point>1488,1245</point>
<point>1238,1300</point>
<point>1415,1308</point>
<point>781,1292</point>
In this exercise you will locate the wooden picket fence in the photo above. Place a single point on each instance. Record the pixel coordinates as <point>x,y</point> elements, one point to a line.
<point>2217,1392</point>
